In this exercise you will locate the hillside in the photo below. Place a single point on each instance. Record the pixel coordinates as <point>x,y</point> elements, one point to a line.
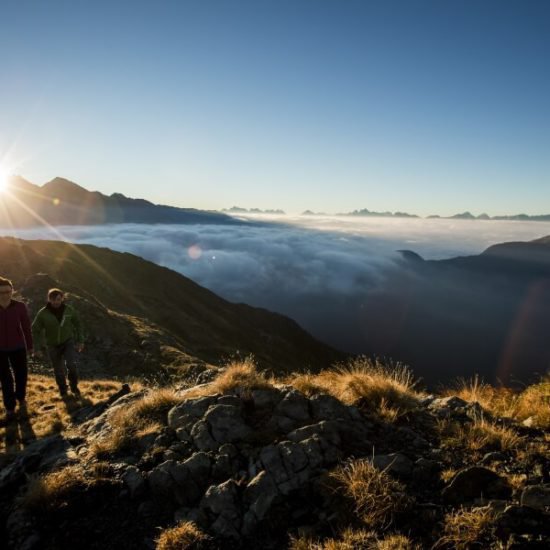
<point>147,320</point>
<point>63,202</point>
<point>486,314</point>
<point>358,458</point>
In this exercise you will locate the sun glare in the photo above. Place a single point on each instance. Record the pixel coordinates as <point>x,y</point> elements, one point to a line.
<point>3,178</point>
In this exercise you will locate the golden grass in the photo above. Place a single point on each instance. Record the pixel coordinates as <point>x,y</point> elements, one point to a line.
<point>355,539</point>
<point>350,539</point>
<point>385,390</point>
<point>532,402</point>
<point>479,436</point>
<point>464,528</point>
<point>396,542</point>
<point>238,378</point>
<point>54,490</point>
<point>140,418</point>
<point>184,536</point>
<point>47,413</point>
<point>376,497</point>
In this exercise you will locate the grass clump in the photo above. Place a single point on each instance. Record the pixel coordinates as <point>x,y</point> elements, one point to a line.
<point>355,539</point>
<point>184,536</point>
<point>388,391</point>
<point>464,529</point>
<point>480,436</point>
<point>142,417</point>
<point>533,402</point>
<point>375,497</point>
<point>238,378</point>
<point>55,490</point>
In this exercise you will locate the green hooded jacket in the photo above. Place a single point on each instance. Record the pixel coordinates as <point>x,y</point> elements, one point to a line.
<point>46,325</point>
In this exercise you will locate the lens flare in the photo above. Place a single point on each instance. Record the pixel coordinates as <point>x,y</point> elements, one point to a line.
<point>195,252</point>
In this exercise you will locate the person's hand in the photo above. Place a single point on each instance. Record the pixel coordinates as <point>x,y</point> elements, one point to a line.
<point>80,348</point>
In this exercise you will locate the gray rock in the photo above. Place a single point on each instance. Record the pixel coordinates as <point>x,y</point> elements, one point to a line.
<point>199,466</point>
<point>222,503</point>
<point>266,398</point>
<point>328,429</point>
<point>202,438</point>
<point>522,520</point>
<point>271,461</point>
<point>227,424</point>
<point>294,405</point>
<point>395,463</point>
<point>259,495</point>
<point>187,413</point>
<point>293,457</point>
<point>147,509</point>
<point>327,407</point>
<point>536,496</point>
<point>476,482</point>
<point>134,480</point>
<point>232,400</point>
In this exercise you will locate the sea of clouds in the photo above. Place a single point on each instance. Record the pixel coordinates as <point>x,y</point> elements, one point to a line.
<point>313,269</point>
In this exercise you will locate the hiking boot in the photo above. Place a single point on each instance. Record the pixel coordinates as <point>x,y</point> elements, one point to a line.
<point>63,393</point>
<point>75,392</point>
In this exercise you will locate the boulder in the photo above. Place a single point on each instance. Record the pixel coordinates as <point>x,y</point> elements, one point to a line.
<point>476,482</point>
<point>395,463</point>
<point>536,496</point>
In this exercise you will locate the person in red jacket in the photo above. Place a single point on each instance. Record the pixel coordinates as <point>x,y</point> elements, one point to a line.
<point>15,343</point>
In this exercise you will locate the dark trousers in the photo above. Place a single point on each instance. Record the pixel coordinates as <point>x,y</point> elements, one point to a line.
<point>63,360</point>
<point>13,376</point>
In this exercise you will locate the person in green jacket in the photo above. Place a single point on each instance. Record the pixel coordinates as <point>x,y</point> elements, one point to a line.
<point>57,327</point>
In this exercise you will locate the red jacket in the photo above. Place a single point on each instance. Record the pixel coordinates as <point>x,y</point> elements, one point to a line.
<point>15,327</point>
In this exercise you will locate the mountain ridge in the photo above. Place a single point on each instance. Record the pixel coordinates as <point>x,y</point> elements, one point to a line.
<point>203,328</point>
<point>63,202</point>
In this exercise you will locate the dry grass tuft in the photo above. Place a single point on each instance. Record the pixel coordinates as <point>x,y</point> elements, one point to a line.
<point>355,539</point>
<point>385,390</point>
<point>375,496</point>
<point>533,402</point>
<point>465,528</point>
<point>141,418</point>
<point>238,378</point>
<point>396,542</point>
<point>184,536</point>
<point>55,489</point>
<point>479,436</point>
<point>350,539</point>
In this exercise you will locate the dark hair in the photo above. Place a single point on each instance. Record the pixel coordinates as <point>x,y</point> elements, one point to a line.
<point>54,293</point>
<point>5,282</point>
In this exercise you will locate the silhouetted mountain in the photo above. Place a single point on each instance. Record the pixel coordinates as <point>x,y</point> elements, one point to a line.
<point>368,213</point>
<point>463,216</point>
<point>63,202</point>
<point>239,210</point>
<point>134,308</point>
<point>488,314</point>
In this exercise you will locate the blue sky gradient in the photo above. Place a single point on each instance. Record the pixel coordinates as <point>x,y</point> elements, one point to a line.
<point>419,106</point>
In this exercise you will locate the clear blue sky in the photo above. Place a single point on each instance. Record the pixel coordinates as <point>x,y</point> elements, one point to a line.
<point>331,105</point>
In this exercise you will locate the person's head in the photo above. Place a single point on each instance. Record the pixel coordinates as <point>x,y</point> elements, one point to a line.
<point>55,297</point>
<point>6,290</point>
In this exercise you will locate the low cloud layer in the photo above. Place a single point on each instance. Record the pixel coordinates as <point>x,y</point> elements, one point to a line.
<point>311,269</point>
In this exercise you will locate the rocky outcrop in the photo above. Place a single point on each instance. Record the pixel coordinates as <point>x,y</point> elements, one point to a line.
<point>246,467</point>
